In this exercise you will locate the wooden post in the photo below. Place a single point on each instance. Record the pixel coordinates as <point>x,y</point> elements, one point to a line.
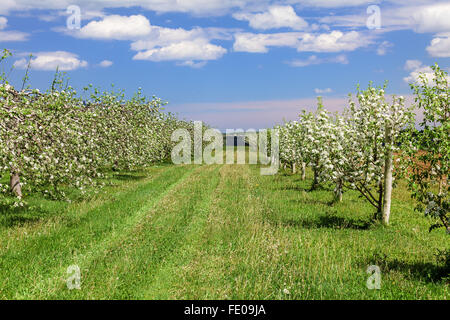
<point>388,167</point>
<point>338,192</point>
<point>303,171</point>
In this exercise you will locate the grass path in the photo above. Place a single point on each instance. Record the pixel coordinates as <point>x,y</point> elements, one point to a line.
<point>79,234</point>
<point>218,232</point>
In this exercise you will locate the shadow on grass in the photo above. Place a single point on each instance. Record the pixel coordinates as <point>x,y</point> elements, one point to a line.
<point>11,217</point>
<point>18,220</point>
<point>304,187</point>
<point>423,271</point>
<point>294,187</point>
<point>328,221</point>
<point>328,203</point>
<point>128,177</point>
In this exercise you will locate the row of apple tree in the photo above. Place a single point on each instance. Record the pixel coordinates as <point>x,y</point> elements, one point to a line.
<point>54,139</point>
<point>375,141</point>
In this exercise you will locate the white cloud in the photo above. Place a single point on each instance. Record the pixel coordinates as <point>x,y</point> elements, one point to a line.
<point>352,21</point>
<point>412,65</point>
<point>313,60</point>
<point>49,61</point>
<point>417,68</point>
<point>415,74</point>
<point>323,91</point>
<point>196,7</point>
<point>188,47</point>
<point>116,27</point>
<point>155,43</point>
<point>440,47</point>
<point>6,36</point>
<point>384,47</point>
<point>7,5</point>
<point>48,17</point>
<point>197,50</point>
<point>333,42</point>
<point>432,18</point>
<point>105,63</point>
<point>161,36</point>
<point>275,17</point>
<point>192,64</point>
<point>333,3</point>
<point>3,22</point>
<point>420,16</point>
<point>258,43</point>
<point>10,35</point>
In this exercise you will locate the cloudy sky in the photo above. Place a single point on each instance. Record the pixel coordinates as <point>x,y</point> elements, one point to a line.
<point>232,63</point>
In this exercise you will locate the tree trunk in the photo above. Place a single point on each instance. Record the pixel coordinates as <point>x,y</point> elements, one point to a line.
<point>378,214</point>
<point>338,192</point>
<point>14,183</point>
<point>303,171</point>
<point>294,169</point>
<point>316,180</point>
<point>388,167</point>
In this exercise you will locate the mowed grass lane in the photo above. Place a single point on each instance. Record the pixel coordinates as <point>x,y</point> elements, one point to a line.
<point>34,256</point>
<point>222,232</point>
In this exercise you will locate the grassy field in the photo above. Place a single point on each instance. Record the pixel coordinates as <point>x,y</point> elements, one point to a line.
<point>217,232</point>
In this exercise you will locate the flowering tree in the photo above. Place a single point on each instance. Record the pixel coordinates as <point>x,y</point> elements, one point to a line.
<point>354,150</point>
<point>291,145</point>
<point>375,126</point>
<point>54,139</point>
<point>341,149</point>
<point>317,129</point>
<point>427,152</point>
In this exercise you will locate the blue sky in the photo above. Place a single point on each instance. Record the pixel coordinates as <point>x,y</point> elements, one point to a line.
<point>236,63</point>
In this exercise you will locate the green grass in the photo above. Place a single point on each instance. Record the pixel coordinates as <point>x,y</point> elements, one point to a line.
<point>217,232</point>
